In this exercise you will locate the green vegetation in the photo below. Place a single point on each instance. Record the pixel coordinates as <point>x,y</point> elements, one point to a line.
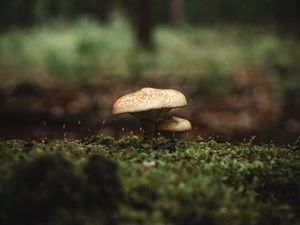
<point>87,49</point>
<point>209,55</point>
<point>162,182</point>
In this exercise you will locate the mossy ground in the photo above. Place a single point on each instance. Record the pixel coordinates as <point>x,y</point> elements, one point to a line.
<point>101,180</point>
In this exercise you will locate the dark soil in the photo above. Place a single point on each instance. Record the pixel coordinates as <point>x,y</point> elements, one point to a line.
<point>246,109</point>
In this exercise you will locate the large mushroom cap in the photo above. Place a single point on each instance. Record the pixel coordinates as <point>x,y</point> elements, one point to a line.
<point>174,123</point>
<point>148,99</point>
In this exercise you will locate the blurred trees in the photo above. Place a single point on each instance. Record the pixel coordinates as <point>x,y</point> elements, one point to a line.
<point>25,13</point>
<point>141,14</point>
<point>178,12</point>
<point>283,14</point>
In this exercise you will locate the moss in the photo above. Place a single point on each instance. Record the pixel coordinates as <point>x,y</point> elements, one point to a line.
<point>49,189</point>
<point>100,180</point>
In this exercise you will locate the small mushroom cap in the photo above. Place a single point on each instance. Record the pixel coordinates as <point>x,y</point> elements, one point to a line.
<point>174,123</point>
<point>148,99</point>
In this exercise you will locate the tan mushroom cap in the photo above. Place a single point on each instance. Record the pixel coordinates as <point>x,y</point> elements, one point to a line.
<point>148,99</point>
<point>174,123</point>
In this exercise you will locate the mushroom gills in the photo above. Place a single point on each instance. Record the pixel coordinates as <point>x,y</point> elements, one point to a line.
<point>153,115</point>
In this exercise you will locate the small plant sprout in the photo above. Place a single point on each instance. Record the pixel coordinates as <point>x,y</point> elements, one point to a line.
<point>149,105</point>
<point>174,124</point>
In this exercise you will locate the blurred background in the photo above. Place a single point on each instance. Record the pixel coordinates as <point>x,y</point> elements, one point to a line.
<point>63,63</point>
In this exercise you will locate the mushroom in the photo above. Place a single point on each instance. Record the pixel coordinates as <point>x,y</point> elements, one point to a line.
<point>149,105</point>
<point>174,124</point>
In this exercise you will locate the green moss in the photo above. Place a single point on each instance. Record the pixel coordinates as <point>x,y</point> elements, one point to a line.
<point>158,182</point>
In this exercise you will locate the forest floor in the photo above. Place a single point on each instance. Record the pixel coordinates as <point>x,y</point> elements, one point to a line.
<point>244,108</point>
<point>160,181</point>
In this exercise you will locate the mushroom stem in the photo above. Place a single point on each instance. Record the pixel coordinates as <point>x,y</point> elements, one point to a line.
<point>149,128</point>
<point>173,135</point>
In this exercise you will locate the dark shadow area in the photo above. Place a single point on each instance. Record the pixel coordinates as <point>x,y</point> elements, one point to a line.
<point>49,190</point>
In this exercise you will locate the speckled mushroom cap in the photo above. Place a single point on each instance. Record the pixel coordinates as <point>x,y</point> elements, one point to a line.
<point>149,99</point>
<point>174,123</point>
